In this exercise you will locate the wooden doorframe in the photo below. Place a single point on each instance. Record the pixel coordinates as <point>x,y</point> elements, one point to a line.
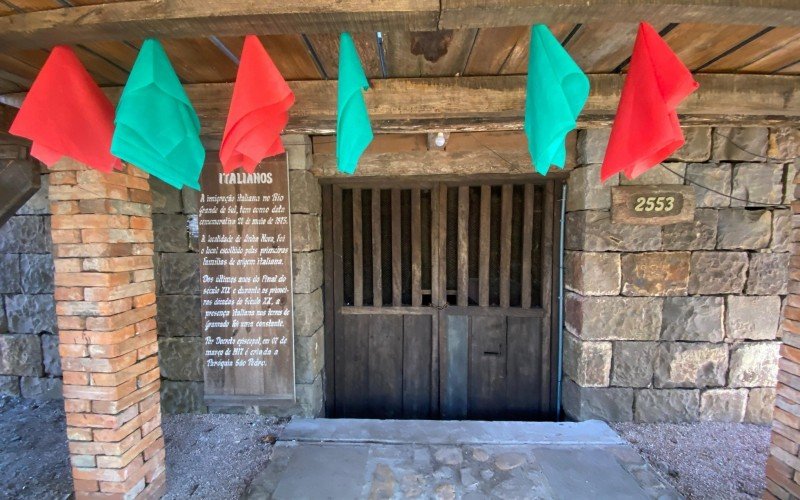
<point>553,190</point>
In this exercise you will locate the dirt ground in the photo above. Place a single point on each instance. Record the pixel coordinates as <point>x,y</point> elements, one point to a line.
<point>705,460</point>
<point>216,456</point>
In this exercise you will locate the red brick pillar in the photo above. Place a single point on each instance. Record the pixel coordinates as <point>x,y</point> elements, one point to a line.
<point>106,307</point>
<point>783,464</point>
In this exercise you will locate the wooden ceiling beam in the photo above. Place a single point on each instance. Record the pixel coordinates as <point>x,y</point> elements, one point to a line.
<point>458,14</point>
<point>136,20</point>
<point>498,103</point>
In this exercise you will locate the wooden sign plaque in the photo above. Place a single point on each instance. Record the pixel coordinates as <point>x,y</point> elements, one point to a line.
<point>652,205</point>
<point>246,279</point>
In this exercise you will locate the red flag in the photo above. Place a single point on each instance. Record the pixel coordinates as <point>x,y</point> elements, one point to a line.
<point>66,114</point>
<point>259,110</point>
<point>646,129</point>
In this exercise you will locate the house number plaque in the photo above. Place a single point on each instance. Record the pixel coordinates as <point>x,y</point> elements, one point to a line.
<point>652,205</point>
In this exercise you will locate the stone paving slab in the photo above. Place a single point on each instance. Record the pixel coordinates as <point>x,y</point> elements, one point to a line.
<point>348,458</point>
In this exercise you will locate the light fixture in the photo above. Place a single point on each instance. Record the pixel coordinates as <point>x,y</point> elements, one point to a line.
<point>440,140</point>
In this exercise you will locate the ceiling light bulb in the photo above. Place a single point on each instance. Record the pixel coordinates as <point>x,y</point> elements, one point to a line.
<point>439,140</point>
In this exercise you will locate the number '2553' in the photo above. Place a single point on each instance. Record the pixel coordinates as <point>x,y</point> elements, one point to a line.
<point>654,204</point>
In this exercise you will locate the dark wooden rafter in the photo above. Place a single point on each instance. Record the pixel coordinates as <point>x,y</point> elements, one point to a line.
<point>195,18</point>
<point>497,103</point>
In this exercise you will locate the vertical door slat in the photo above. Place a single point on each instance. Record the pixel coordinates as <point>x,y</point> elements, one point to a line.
<point>377,278</point>
<point>527,246</point>
<point>358,259</point>
<point>463,246</point>
<point>416,249</point>
<point>485,239</point>
<point>505,245</point>
<point>397,283</point>
<point>546,287</point>
<point>442,298</point>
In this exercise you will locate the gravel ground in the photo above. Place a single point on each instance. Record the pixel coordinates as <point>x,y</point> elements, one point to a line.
<point>208,456</point>
<point>706,460</point>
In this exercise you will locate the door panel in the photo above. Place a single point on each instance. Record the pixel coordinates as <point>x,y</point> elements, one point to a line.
<point>441,293</point>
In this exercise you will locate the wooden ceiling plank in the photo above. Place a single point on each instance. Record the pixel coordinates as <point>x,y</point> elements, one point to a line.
<point>517,61</point>
<point>775,60</point>
<point>432,53</point>
<point>697,44</point>
<point>602,47</point>
<point>103,71</point>
<point>199,60</point>
<point>35,5</point>
<point>459,14</point>
<point>792,69</point>
<point>326,46</point>
<point>195,18</point>
<point>498,103</point>
<point>760,47</point>
<point>491,49</point>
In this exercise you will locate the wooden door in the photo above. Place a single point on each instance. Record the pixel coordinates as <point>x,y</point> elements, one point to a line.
<point>439,298</point>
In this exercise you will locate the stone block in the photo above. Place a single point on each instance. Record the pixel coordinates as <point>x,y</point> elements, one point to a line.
<point>20,355</point>
<point>754,365</point>
<point>694,319</point>
<point>305,195</point>
<point>590,273</point>
<point>180,273</point>
<point>697,146</point>
<point>723,405</point>
<point>740,229</point>
<point>39,203</point>
<point>655,274</point>
<point>691,365</point>
<point>36,273</point>
<point>760,403</point>
<point>298,154</point>
<point>170,233</point>
<point>790,189</point>
<point>193,229</point>
<point>700,234</point>
<point>166,199</point>
<point>784,144</point>
<point>593,231</point>
<point>31,313</point>
<point>308,313</point>
<point>611,404</point>
<point>3,319</point>
<point>181,358</point>
<point>182,397</point>
<point>752,318</point>
<point>40,389</point>
<point>191,200</point>
<point>307,271</point>
<point>306,233</point>
<point>769,274</point>
<point>740,144</point>
<point>715,273</point>
<point>50,356</point>
<point>310,397</point>
<point>633,364</point>
<point>179,316</point>
<point>716,177</point>
<point>25,234</point>
<point>9,385</point>
<point>781,231</point>
<point>587,363</point>
<point>9,277</point>
<point>667,405</point>
<point>309,357</point>
<point>757,182</point>
<point>586,192</point>
<point>592,144</point>
<point>613,318</point>
<point>657,176</point>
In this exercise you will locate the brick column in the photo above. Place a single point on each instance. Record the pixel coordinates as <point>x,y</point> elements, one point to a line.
<point>105,303</point>
<point>783,464</point>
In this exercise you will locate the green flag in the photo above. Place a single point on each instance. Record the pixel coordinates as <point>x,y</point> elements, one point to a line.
<point>557,91</point>
<point>157,128</point>
<point>353,130</point>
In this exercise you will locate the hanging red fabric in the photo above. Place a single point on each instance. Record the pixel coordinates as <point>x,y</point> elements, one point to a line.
<point>259,110</point>
<point>66,114</point>
<point>646,130</point>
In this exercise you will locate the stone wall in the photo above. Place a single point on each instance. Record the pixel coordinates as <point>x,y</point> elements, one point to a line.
<point>29,360</point>
<point>679,322</point>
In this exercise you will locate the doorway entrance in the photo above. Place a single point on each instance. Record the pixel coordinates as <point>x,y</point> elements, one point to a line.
<point>439,298</point>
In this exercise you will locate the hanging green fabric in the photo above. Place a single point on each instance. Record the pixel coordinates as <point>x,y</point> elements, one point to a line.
<point>157,128</point>
<point>556,93</point>
<point>353,130</point>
